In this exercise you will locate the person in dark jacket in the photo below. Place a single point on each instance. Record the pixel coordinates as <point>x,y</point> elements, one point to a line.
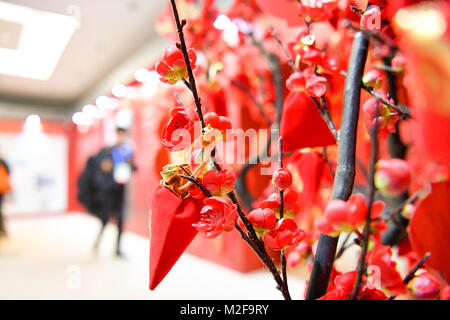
<point>114,171</point>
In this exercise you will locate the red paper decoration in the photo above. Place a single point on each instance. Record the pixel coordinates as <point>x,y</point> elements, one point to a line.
<point>171,230</point>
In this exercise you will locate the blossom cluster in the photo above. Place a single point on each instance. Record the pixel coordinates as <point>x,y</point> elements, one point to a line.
<point>250,77</point>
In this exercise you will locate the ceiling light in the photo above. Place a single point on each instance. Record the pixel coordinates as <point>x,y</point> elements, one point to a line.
<point>90,111</point>
<point>80,119</point>
<point>119,90</point>
<point>124,118</point>
<point>222,22</point>
<point>103,102</point>
<point>142,75</point>
<point>32,124</point>
<point>40,37</point>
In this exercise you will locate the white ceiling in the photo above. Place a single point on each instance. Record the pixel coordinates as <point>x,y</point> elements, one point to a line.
<point>110,32</point>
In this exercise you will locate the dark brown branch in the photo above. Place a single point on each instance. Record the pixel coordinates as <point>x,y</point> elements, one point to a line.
<point>403,111</point>
<point>187,84</point>
<point>412,273</point>
<point>374,35</point>
<point>281,194</point>
<point>344,246</point>
<point>324,112</point>
<point>286,53</point>
<point>417,266</point>
<point>370,195</point>
<point>327,117</point>
<point>267,261</point>
<point>192,86</point>
<point>345,171</point>
<point>396,230</point>
<point>252,239</point>
<point>327,161</point>
<point>322,105</point>
<point>275,68</point>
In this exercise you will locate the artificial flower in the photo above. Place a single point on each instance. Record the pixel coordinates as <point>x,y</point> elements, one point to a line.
<point>172,67</point>
<point>284,234</point>
<point>392,176</point>
<point>262,219</point>
<point>178,134</point>
<point>346,216</point>
<point>216,216</point>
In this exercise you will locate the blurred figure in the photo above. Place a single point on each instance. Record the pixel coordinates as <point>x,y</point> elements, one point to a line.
<point>102,184</point>
<point>5,186</point>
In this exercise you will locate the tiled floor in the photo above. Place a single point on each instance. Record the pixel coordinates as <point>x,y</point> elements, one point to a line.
<point>52,258</point>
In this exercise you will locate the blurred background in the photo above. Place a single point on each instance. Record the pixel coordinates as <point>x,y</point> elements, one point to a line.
<point>71,73</point>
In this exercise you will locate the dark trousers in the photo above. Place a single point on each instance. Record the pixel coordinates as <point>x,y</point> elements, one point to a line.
<point>108,213</point>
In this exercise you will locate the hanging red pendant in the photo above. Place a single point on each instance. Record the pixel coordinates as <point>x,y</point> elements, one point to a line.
<point>171,230</point>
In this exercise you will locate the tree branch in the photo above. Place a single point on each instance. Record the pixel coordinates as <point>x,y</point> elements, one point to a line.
<point>370,195</point>
<point>322,105</point>
<point>192,86</point>
<point>396,230</point>
<point>345,171</point>
<point>403,111</point>
<point>281,194</point>
<point>275,68</point>
<point>412,273</point>
<point>252,239</point>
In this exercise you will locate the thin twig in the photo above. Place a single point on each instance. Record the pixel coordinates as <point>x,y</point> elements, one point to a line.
<point>327,161</point>
<point>195,181</point>
<point>281,194</point>
<point>404,111</point>
<point>412,273</point>
<point>374,35</point>
<point>418,265</point>
<point>325,115</point>
<point>192,86</point>
<point>267,262</point>
<point>396,230</point>
<point>343,246</point>
<point>275,68</point>
<point>370,194</point>
<point>286,53</point>
<point>387,68</point>
<point>322,105</point>
<point>252,239</point>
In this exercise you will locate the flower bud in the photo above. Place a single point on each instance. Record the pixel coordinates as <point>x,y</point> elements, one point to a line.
<point>445,293</point>
<point>373,79</point>
<point>263,218</point>
<point>424,285</point>
<point>393,176</point>
<point>398,63</point>
<point>282,178</point>
<point>220,123</point>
